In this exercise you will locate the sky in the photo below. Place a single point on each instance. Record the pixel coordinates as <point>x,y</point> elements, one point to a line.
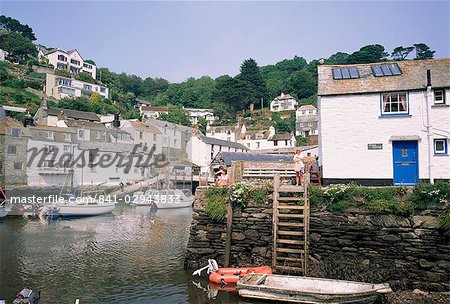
<point>177,40</point>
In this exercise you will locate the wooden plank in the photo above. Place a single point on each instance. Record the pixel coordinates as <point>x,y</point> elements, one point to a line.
<point>289,259</point>
<point>288,224</point>
<point>289,250</point>
<point>292,242</point>
<point>291,199</point>
<point>285,232</point>
<point>291,189</point>
<point>289,268</point>
<point>293,207</point>
<point>226,262</point>
<point>291,215</point>
<point>306,212</point>
<point>276,185</point>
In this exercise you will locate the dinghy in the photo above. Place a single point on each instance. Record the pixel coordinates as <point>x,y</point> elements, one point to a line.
<point>308,290</point>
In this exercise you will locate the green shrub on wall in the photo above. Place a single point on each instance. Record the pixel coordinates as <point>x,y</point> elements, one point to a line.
<point>396,200</point>
<point>238,194</point>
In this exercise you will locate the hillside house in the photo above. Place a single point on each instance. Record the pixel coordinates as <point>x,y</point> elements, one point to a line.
<point>284,102</point>
<point>306,121</point>
<point>385,123</point>
<point>70,61</point>
<point>60,87</point>
<point>153,112</point>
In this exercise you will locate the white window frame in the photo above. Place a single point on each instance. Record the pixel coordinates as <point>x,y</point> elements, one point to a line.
<point>445,145</point>
<point>442,101</point>
<point>386,101</point>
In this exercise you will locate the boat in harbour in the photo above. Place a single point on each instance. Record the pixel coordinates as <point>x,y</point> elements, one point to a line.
<point>308,290</point>
<point>169,199</point>
<point>72,206</point>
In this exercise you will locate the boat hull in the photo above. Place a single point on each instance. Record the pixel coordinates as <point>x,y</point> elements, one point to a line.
<point>308,290</point>
<point>172,205</point>
<point>84,210</point>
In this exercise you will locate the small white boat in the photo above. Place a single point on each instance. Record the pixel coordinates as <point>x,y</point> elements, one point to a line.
<point>80,206</point>
<point>168,199</point>
<point>308,290</point>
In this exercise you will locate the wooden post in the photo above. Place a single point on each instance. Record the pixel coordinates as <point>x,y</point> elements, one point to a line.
<point>237,170</point>
<point>226,261</point>
<point>276,186</point>
<point>306,181</point>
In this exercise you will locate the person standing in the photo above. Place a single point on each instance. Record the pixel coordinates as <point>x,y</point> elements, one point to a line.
<point>299,167</point>
<point>224,179</point>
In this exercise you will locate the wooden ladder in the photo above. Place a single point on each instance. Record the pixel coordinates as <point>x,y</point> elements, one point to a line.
<point>290,228</point>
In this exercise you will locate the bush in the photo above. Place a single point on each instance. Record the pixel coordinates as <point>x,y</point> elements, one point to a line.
<point>258,195</point>
<point>316,196</point>
<point>427,194</point>
<point>216,202</point>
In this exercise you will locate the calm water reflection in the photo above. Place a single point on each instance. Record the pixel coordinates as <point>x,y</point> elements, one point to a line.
<point>129,257</point>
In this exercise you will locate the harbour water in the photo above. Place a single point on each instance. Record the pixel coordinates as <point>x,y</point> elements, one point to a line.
<point>131,256</point>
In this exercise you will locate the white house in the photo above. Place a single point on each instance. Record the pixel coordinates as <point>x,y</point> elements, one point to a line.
<point>60,87</point>
<point>284,102</point>
<point>195,114</point>
<point>68,61</point>
<point>153,112</point>
<point>144,134</point>
<point>306,121</point>
<point>202,149</point>
<point>385,123</point>
<point>253,140</point>
<point>230,133</point>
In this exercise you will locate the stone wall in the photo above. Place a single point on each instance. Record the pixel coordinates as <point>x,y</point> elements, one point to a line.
<point>251,238</point>
<point>408,252</point>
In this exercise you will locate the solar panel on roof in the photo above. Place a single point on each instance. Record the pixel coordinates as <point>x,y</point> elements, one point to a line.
<point>337,73</point>
<point>395,69</point>
<point>386,70</point>
<point>376,70</point>
<point>354,73</point>
<point>345,73</point>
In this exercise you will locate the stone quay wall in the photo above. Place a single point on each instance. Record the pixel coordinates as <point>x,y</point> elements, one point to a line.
<point>406,251</point>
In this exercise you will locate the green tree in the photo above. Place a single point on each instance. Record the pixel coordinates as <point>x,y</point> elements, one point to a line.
<point>400,52</point>
<point>201,125</point>
<point>90,61</point>
<point>18,46</point>
<point>95,98</point>
<point>227,96</point>
<point>368,54</point>
<point>251,84</point>
<point>338,58</point>
<point>423,51</point>
<point>302,83</point>
<point>176,115</point>
<point>15,26</point>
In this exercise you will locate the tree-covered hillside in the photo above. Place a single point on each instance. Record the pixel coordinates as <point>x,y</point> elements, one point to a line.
<point>226,95</point>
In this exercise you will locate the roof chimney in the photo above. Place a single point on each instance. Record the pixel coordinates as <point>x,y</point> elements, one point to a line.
<point>428,78</point>
<point>44,103</point>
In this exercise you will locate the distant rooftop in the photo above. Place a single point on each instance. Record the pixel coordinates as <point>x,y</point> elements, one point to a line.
<point>228,157</point>
<point>75,114</point>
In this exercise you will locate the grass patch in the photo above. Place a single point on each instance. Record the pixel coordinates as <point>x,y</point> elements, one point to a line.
<point>216,203</point>
<point>444,222</point>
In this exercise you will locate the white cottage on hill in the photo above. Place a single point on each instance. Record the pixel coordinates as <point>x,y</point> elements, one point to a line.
<point>385,123</point>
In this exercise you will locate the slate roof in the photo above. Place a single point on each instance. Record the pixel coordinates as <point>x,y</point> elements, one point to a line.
<point>228,157</point>
<point>254,135</point>
<point>413,77</point>
<point>144,127</point>
<point>285,136</point>
<point>73,114</point>
<point>155,109</point>
<point>221,142</point>
<point>222,129</point>
<point>86,124</point>
<point>285,96</point>
<point>306,108</point>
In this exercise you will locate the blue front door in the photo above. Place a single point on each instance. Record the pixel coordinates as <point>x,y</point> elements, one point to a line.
<point>406,169</point>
